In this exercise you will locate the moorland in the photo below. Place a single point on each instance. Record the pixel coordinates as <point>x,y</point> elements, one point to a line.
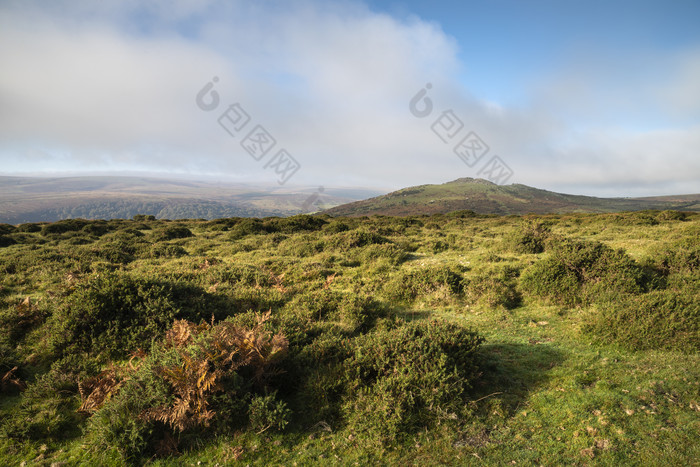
<point>453,339</point>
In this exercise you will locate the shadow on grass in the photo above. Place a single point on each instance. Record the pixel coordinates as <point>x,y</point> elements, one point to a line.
<point>512,371</point>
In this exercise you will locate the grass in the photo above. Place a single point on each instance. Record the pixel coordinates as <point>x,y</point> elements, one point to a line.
<point>549,391</point>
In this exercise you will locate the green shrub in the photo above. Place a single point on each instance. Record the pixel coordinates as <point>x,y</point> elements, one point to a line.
<point>356,239</point>
<point>7,229</point>
<point>301,247</point>
<point>496,289</point>
<point>239,298</point>
<point>407,378</point>
<point>6,241</point>
<point>317,305</point>
<point>680,257</point>
<point>267,412</point>
<point>29,227</point>
<point>672,216</point>
<point>248,226</point>
<point>578,272</point>
<point>316,369</point>
<point>635,218</point>
<point>171,233</point>
<point>96,228</point>
<point>440,246</point>
<point>116,254</point>
<point>68,225</point>
<point>336,227</point>
<point>114,313</point>
<point>412,284</point>
<point>17,320</point>
<point>128,235</point>
<point>293,224</point>
<point>529,239</point>
<point>462,214</point>
<point>167,250</point>
<point>223,224</point>
<point>551,280</point>
<point>218,227</point>
<point>117,427</point>
<point>659,319</point>
<point>394,254</point>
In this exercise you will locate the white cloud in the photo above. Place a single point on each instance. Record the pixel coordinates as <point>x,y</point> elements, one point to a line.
<point>105,85</point>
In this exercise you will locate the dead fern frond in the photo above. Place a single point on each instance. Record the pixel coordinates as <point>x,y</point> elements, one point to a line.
<point>180,334</point>
<point>95,391</point>
<point>207,353</point>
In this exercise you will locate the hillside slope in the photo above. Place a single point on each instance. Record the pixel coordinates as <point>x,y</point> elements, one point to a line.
<point>485,197</point>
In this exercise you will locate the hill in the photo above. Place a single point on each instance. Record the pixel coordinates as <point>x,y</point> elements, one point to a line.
<point>484,197</point>
<point>35,199</point>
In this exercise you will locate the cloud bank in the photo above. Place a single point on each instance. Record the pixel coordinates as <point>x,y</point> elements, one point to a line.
<point>112,86</point>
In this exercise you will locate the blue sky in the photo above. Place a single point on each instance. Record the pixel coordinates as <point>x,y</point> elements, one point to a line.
<point>506,45</point>
<point>595,97</point>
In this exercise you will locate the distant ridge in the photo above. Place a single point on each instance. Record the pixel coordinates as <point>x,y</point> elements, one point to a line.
<point>485,197</point>
<point>48,199</point>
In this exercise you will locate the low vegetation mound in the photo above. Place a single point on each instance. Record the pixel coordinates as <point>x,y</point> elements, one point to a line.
<point>577,272</point>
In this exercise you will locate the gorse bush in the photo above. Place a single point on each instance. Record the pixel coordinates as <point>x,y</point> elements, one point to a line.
<point>96,228</point>
<point>389,252</point>
<point>336,227</point>
<point>659,319</point>
<point>646,218</point>
<point>530,238</point>
<point>29,227</point>
<point>7,229</point>
<point>247,227</point>
<point>17,320</point>
<point>267,412</point>
<point>171,233</point>
<point>6,241</point>
<point>111,313</point>
<point>43,413</point>
<point>293,224</point>
<point>244,274</point>
<point>301,247</point>
<point>69,225</point>
<point>495,290</point>
<point>356,239</point>
<point>167,250</point>
<point>577,272</point>
<point>672,216</point>
<point>404,379</point>
<point>680,257</point>
<point>412,284</point>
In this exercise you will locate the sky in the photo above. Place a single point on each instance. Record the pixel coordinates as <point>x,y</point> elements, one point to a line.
<point>587,97</point>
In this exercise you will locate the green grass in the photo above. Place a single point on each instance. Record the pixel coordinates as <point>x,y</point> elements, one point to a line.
<point>553,389</point>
